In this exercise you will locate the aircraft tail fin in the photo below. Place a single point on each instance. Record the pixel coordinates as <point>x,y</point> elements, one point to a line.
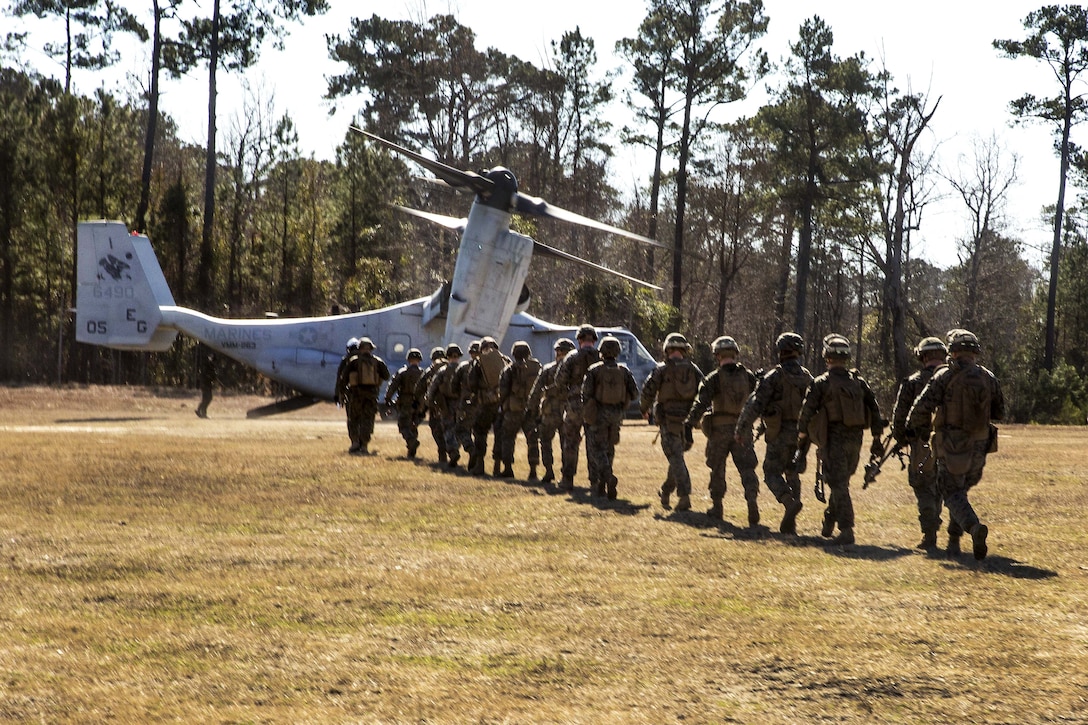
<point>121,290</point>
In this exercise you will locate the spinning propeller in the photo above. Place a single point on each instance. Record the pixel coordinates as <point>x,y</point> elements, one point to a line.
<point>498,188</point>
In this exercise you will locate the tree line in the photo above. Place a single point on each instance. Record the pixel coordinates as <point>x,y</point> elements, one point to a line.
<point>798,217</point>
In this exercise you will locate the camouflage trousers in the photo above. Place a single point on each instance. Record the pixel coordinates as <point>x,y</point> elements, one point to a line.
<point>438,431</point>
<point>463,424</point>
<point>922,477</point>
<point>451,441</point>
<point>367,412</point>
<point>954,488</point>
<point>546,430</point>
<point>841,456</point>
<point>512,424</point>
<point>678,479</point>
<point>353,407</point>
<point>719,447</point>
<point>570,438</point>
<point>408,426</point>
<point>602,438</point>
<point>483,424</point>
<point>778,471</point>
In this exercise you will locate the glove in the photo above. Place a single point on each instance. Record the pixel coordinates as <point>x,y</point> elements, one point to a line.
<point>876,449</point>
<point>689,437</point>
<point>800,461</point>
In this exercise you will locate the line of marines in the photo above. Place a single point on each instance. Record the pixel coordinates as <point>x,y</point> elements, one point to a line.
<point>942,423</point>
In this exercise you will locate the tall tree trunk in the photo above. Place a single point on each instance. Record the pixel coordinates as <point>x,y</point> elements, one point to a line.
<point>152,121</point>
<point>204,273</point>
<point>1056,246</point>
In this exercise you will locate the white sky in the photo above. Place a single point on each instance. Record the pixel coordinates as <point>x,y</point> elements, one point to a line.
<point>944,48</point>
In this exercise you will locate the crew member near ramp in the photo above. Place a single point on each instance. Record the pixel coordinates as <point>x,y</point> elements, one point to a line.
<point>777,400</point>
<point>607,389</point>
<point>370,372</point>
<point>838,406</point>
<point>717,406</point>
<point>668,393</point>
<point>402,392</point>
<point>959,403</point>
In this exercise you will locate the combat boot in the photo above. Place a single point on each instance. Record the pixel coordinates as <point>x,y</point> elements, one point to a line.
<point>549,475</point>
<point>611,492</point>
<point>683,503</point>
<point>507,472</point>
<point>478,469</point>
<point>597,487</point>
<point>979,532</point>
<point>354,448</point>
<point>496,470</point>
<point>454,457</point>
<point>715,510</point>
<point>664,493</point>
<point>532,473</point>
<point>566,484</point>
<point>412,447</point>
<point>845,537</point>
<point>473,459</point>
<point>953,545</point>
<point>929,540</point>
<point>753,514</point>
<point>829,526</point>
<point>442,456</point>
<point>793,507</point>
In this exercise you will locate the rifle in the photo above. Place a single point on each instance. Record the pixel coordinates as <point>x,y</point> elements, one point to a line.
<point>760,430</point>
<point>818,489</point>
<point>872,468</point>
<point>800,456</point>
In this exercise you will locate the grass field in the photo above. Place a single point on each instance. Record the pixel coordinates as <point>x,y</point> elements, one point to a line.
<point>159,567</point>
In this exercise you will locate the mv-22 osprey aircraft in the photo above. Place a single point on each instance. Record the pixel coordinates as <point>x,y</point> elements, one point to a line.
<point>123,301</point>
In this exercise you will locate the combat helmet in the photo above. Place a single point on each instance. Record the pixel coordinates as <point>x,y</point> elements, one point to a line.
<point>521,350</point>
<point>414,354</point>
<point>563,344</point>
<point>366,341</point>
<point>610,347</point>
<point>960,340</point>
<point>488,342</point>
<point>587,332</point>
<point>929,346</point>
<point>790,342</point>
<point>676,341</point>
<point>725,344</point>
<point>453,349</point>
<point>353,344</point>
<point>836,346</point>
<point>437,353</point>
<point>474,347</point>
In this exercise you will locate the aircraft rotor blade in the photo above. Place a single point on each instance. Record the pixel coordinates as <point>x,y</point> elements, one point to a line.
<point>452,176</point>
<point>457,225</point>
<point>542,248</point>
<point>538,207</point>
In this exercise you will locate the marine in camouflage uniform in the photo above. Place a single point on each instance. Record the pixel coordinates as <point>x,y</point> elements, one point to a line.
<point>959,403</point>
<point>547,402</point>
<point>717,405</point>
<point>607,389</point>
<point>838,406</point>
<point>483,390</point>
<point>466,404</point>
<point>922,470</point>
<point>401,392</point>
<point>427,405</point>
<point>445,398</point>
<point>667,394</point>
<point>515,385</point>
<point>346,394</point>
<point>568,382</point>
<point>371,372</point>
<point>777,400</point>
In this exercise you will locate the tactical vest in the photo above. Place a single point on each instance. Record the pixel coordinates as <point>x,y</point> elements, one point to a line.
<point>580,363</point>
<point>733,391</point>
<point>524,374</point>
<point>845,400</point>
<point>967,402</point>
<point>679,383</point>
<point>366,370</point>
<point>610,384</point>
<point>793,387</point>
<point>447,381</point>
<point>551,400</point>
<point>491,365</point>
<point>352,366</point>
<point>407,377</point>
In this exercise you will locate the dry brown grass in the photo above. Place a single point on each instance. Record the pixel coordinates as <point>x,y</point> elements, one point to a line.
<point>161,567</point>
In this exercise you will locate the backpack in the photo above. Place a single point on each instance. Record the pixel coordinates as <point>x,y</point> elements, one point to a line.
<point>845,400</point>
<point>366,371</point>
<point>610,385</point>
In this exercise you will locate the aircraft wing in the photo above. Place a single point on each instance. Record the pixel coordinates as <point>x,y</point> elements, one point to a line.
<point>560,254</point>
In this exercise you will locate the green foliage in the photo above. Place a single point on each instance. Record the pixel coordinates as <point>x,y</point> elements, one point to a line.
<point>617,303</point>
<point>1057,397</point>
